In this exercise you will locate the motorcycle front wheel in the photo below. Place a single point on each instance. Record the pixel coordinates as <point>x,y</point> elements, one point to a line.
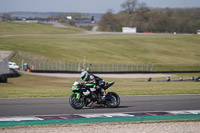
<point>76,103</point>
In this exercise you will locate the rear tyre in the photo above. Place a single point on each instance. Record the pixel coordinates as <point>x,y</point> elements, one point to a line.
<point>76,103</point>
<point>113,100</point>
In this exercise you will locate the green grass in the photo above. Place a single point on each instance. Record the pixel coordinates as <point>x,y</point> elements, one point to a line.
<point>35,86</point>
<point>12,28</point>
<point>39,86</point>
<point>56,44</point>
<point>142,87</point>
<point>51,43</point>
<point>133,49</point>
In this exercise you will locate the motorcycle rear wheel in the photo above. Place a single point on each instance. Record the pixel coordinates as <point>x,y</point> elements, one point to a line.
<point>114,100</point>
<point>76,103</point>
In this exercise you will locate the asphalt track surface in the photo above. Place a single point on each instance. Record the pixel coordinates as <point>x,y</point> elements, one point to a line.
<point>52,106</point>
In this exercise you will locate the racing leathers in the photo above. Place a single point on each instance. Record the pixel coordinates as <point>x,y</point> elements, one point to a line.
<point>95,83</point>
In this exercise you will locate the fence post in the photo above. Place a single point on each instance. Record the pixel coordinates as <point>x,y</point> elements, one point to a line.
<point>132,67</point>
<point>49,65</point>
<point>79,67</point>
<point>22,65</point>
<point>38,65</point>
<point>112,67</point>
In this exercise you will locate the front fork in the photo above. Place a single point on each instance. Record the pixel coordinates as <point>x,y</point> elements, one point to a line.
<point>78,95</point>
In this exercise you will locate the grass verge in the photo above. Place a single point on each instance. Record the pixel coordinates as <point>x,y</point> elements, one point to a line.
<point>39,86</point>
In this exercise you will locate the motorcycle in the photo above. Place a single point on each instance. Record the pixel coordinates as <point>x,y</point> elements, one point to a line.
<point>85,94</point>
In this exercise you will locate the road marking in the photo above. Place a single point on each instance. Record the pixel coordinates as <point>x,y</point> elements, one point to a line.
<point>99,118</point>
<point>19,118</point>
<point>103,115</point>
<point>186,112</point>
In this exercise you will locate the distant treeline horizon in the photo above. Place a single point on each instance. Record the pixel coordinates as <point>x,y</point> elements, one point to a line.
<point>134,14</point>
<point>29,14</point>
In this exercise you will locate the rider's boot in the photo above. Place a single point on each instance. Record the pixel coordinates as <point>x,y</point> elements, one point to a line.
<point>103,95</point>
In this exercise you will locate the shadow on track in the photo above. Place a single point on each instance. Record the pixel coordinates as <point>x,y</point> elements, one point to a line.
<point>103,107</point>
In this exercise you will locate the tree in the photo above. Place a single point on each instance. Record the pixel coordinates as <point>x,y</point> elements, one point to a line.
<point>109,22</point>
<point>142,7</point>
<point>92,18</point>
<point>169,20</point>
<point>129,6</point>
<point>6,17</point>
<point>61,17</point>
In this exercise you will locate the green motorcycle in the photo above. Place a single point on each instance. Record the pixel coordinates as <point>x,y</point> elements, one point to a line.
<point>85,95</point>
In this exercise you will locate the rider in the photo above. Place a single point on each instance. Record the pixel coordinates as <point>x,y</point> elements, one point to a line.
<point>95,81</point>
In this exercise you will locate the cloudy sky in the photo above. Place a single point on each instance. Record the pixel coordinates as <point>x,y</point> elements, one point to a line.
<point>84,6</point>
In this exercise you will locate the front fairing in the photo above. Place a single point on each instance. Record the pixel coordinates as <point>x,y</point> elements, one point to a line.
<point>76,86</point>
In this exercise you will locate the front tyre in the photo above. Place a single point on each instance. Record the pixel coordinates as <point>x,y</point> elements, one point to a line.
<point>76,103</point>
<point>112,100</point>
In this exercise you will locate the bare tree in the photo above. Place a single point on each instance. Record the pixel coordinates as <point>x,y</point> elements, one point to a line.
<point>129,6</point>
<point>142,7</point>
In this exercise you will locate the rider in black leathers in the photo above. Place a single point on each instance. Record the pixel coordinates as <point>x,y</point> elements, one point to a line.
<point>97,82</point>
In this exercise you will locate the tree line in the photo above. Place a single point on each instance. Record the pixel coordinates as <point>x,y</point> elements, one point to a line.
<point>167,20</point>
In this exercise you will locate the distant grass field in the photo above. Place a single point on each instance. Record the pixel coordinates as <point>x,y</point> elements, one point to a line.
<point>38,86</point>
<point>54,43</point>
<point>48,42</point>
<point>13,28</point>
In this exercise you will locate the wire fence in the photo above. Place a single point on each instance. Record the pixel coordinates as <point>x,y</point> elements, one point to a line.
<point>54,66</point>
<point>119,67</point>
<point>65,66</point>
<point>35,62</point>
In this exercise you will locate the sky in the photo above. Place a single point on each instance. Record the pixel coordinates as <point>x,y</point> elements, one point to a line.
<point>85,6</point>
